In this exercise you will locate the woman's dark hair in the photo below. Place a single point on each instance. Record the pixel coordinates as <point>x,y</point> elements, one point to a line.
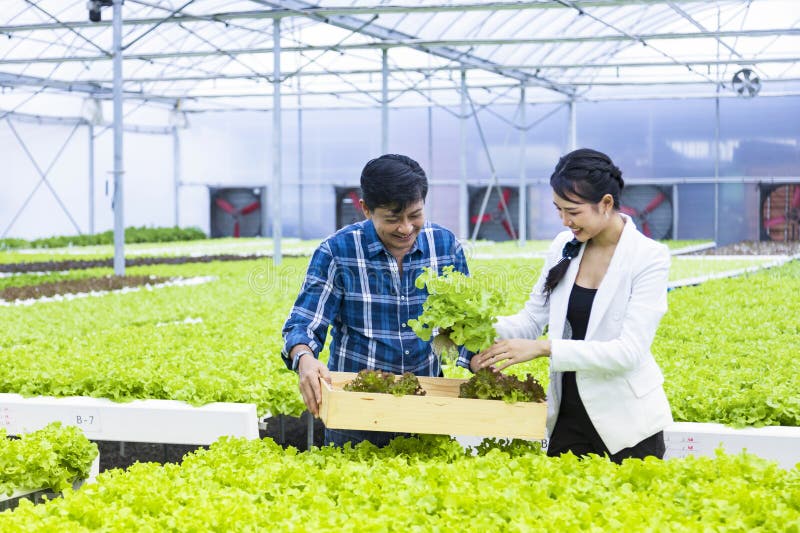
<point>588,175</point>
<point>393,181</point>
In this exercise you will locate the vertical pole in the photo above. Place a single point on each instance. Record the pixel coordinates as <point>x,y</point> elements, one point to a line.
<point>716,166</point>
<point>463,193</point>
<point>309,430</point>
<point>276,141</point>
<point>91,178</point>
<point>523,194</point>
<point>119,219</point>
<point>299,159</point>
<point>385,101</point>
<point>573,126</point>
<point>675,211</point>
<point>430,157</point>
<point>176,173</point>
<point>716,144</point>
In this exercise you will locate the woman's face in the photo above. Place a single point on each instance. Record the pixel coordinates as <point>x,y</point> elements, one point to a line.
<point>584,219</point>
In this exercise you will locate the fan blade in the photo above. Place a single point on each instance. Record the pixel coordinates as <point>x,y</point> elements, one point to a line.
<point>796,196</point>
<point>509,229</point>
<point>485,218</point>
<point>506,196</point>
<point>631,212</point>
<point>777,221</point>
<point>225,206</point>
<point>655,202</point>
<point>236,228</point>
<point>646,230</point>
<point>246,210</point>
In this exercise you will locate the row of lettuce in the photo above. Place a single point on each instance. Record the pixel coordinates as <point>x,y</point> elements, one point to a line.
<point>132,235</point>
<point>682,268</point>
<point>422,484</point>
<point>727,347</point>
<point>168,247</point>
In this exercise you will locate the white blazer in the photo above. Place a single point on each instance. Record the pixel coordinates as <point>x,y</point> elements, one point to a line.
<point>618,379</point>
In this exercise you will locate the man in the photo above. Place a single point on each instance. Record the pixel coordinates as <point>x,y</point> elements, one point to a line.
<point>361,282</point>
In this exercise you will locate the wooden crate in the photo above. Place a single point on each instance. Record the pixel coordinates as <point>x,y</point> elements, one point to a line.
<point>440,411</point>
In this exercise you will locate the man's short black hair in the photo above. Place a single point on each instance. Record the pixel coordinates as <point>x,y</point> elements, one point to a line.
<point>393,182</point>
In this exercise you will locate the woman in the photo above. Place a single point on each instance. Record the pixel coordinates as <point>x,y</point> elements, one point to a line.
<point>602,293</point>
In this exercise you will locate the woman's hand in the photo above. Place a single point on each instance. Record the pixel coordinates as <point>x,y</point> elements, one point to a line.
<point>505,353</point>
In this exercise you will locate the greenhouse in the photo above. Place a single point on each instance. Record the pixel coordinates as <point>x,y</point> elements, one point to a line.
<point>202,241</point>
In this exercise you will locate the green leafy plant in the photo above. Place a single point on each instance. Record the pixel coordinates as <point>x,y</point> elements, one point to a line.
<point>460,304</point>
<point>369,380</point>
<point>487,384</point>
<point>51,458</point>
<point>422,484</point>
<point>132,235</point>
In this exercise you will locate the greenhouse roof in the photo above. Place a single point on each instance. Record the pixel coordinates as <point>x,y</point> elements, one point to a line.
<point>218,55</point>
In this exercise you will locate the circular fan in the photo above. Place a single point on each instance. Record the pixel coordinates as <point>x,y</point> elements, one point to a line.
<point>780,213</point>
<point>651,209</point>
<point>746,83</point>
<point>235,212</point>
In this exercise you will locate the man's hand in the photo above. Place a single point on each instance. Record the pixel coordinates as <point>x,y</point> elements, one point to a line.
<point>311,370</point>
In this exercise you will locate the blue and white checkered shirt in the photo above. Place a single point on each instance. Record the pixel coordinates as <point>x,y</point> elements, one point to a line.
<point>353,284</point>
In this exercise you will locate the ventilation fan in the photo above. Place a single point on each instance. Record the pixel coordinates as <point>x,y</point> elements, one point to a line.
<point>235,212</point>
<point>651,209</point>
<point>780,212</point>
<point>348,210</point>
<point>746,83</point>
<point>502,210</point>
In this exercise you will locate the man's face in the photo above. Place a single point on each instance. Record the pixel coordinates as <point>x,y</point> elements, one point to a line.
<point>397,230</point>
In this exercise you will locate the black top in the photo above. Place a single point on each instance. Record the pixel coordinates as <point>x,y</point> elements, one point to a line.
<point>578,311</point>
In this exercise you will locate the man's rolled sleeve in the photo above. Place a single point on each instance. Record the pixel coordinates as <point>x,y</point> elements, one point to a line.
<point>315,307</point>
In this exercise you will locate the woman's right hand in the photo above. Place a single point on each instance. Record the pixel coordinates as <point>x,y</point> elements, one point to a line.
<point>507,352</point>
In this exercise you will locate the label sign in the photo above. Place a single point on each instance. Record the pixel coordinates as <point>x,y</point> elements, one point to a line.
<point>86,419</point>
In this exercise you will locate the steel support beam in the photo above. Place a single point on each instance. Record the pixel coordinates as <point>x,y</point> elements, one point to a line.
<point>440,47</point>
<point>319,11</point>
<point>176,174</point>
<point>90,129</point>
<point>463,192</point>
<point>573,125</point>
<point>426,70</point>
<point>523,196</point>
<point>97,89</point>
<point>276,143</point>
<point>118,202</point>
<point>300,218</point>
<point>385,101</point>
<point>10,79</point>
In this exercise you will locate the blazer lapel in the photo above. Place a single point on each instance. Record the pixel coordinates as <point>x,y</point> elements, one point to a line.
<point>617,268</point>
<point>559,299</point>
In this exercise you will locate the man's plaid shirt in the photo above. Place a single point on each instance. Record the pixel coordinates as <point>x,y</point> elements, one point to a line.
<point>354,285</point>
